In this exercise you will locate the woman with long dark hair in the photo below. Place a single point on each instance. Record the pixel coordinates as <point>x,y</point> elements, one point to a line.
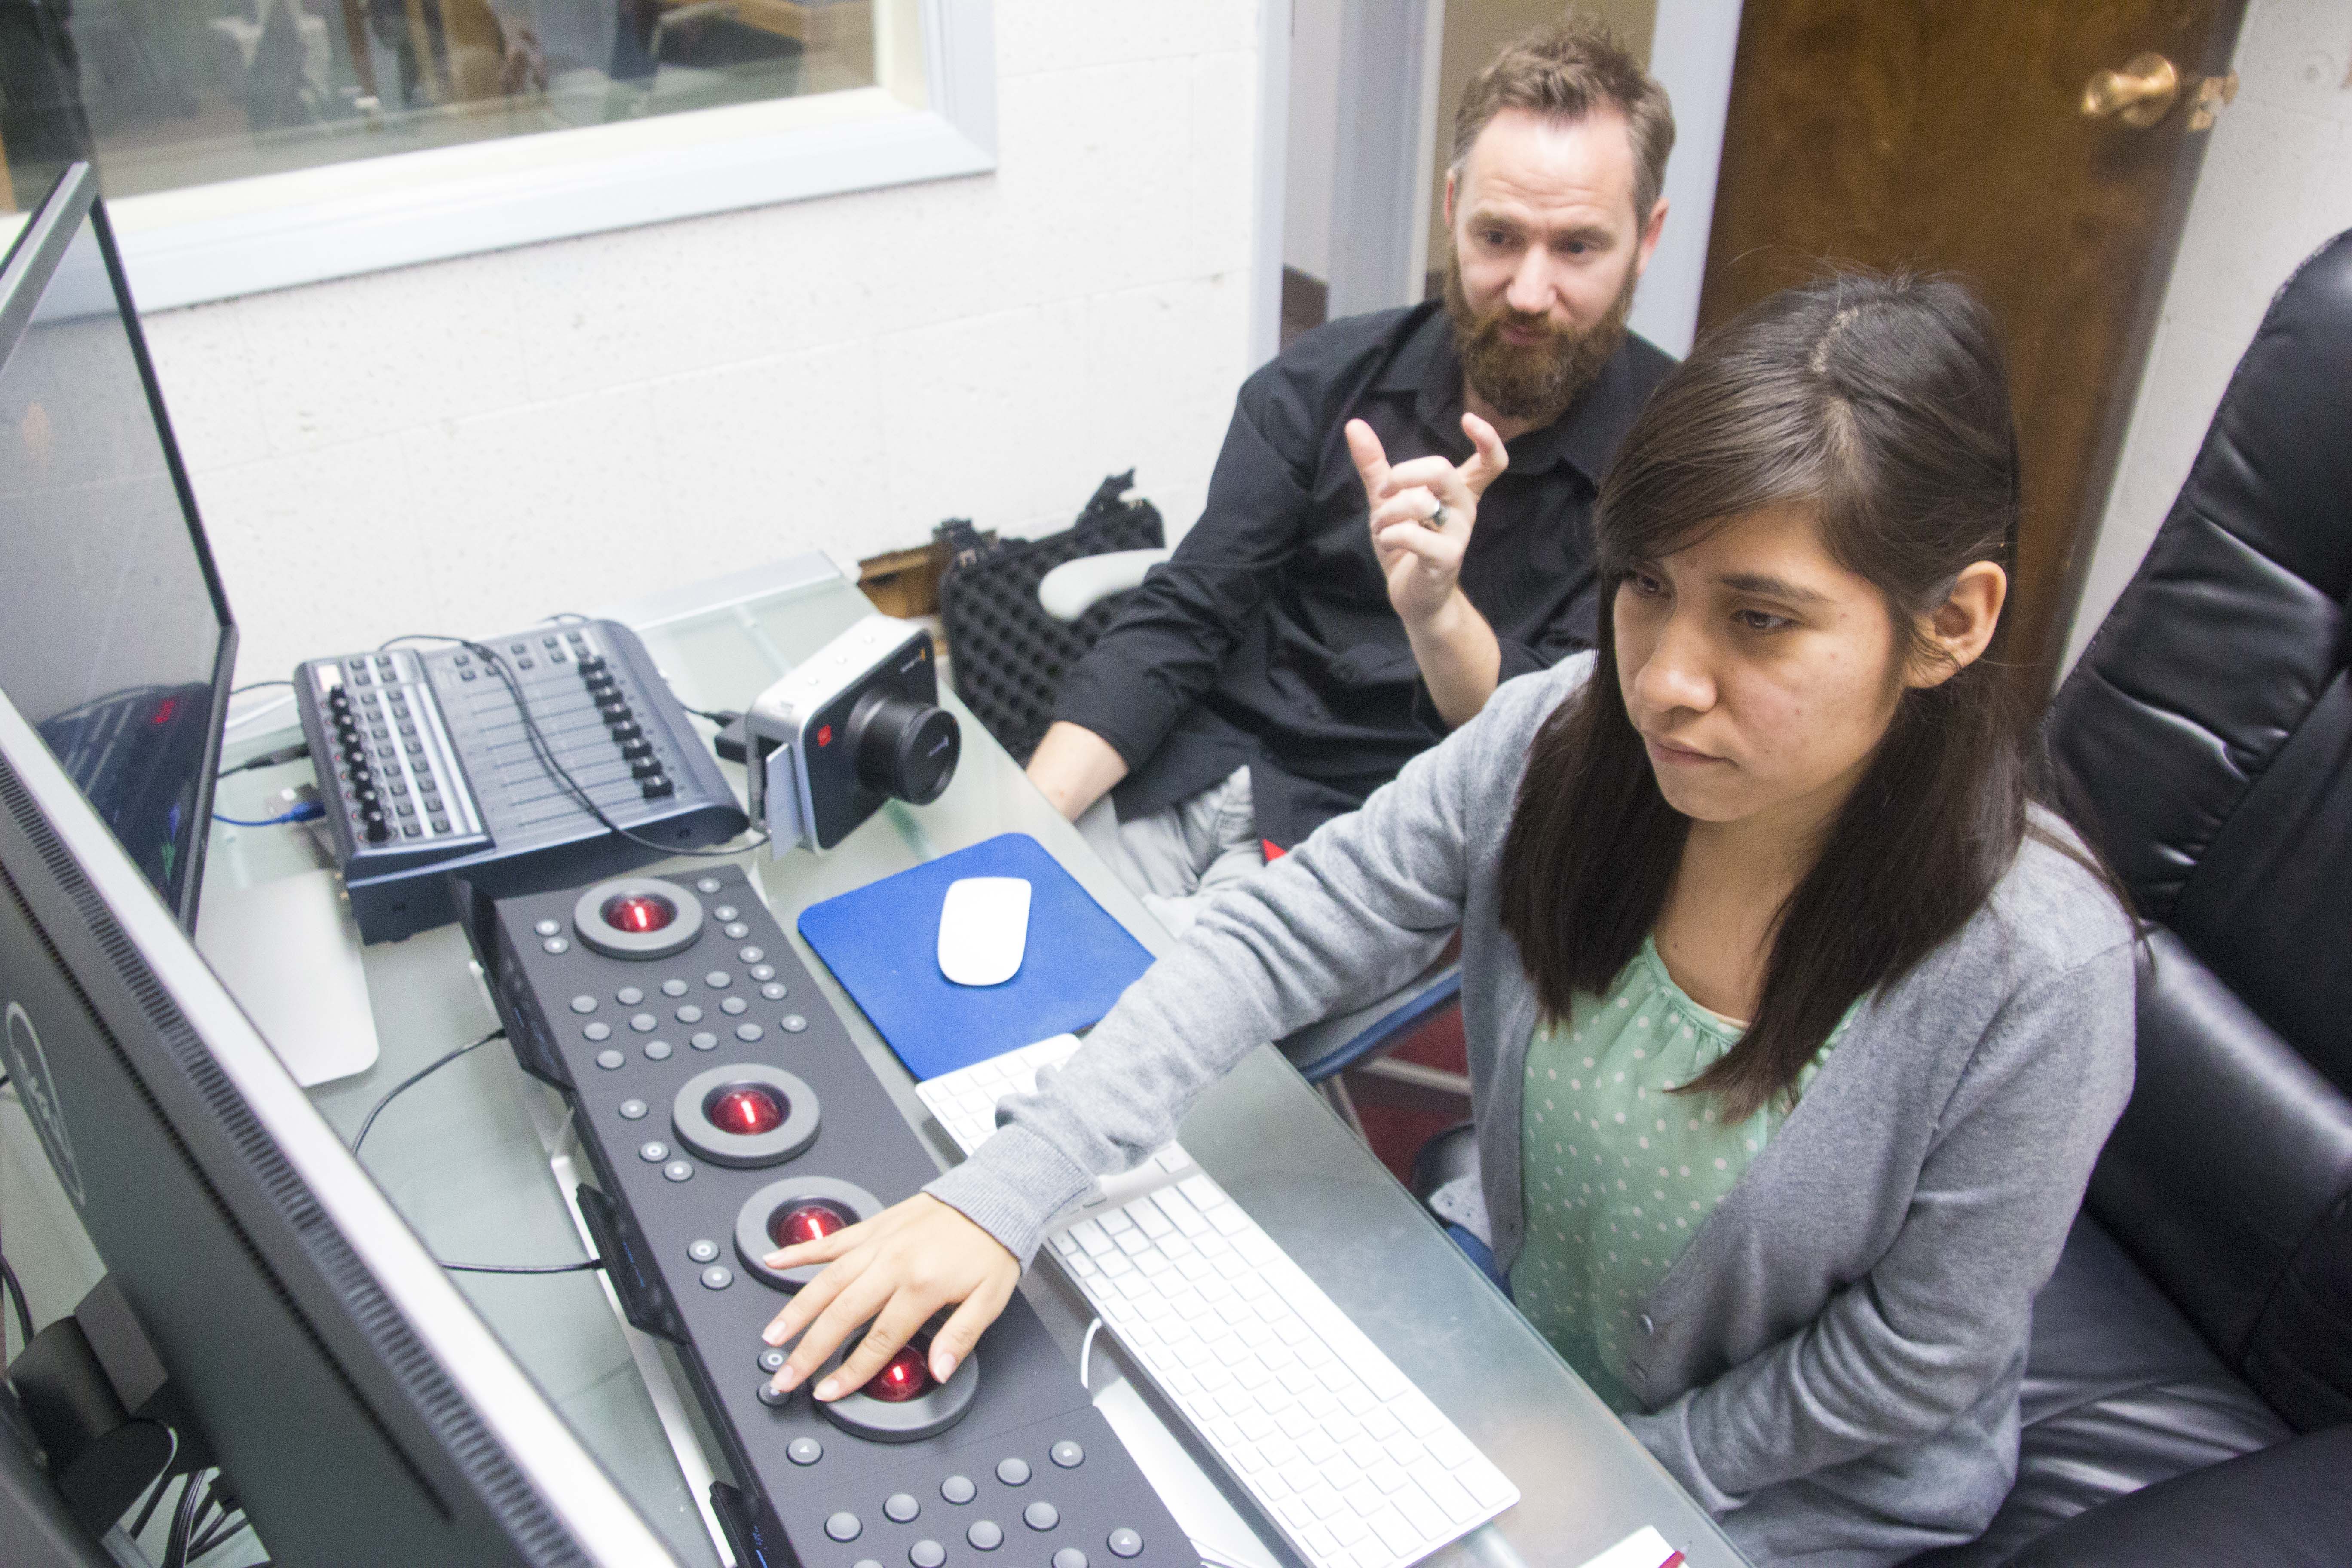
<point>1794,1026</point>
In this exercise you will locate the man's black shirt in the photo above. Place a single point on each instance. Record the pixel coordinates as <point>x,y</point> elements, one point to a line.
<point>1268,640</point>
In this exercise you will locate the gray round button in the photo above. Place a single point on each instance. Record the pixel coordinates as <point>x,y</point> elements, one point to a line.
<point>634,1109</point>
<point>1067,1455</point>
<point>658,1050</point>
<point>719,979</point>
<point>703,1250</point>
<point>771,1359</point>
<point>628,996</point>
<point>1125,1543</point>
<point>746,1033</point>
<point>724,912</point>
<point>985,1534</point>
<point>583,1004</point>
<point>1041,1515</point>
<point>609,1060</point>
<point>680,1169</point>
<point>1012,1472</point>
<point>733,1005</point>
<point>643,1023</point>
<point>598,1032</point>
<point>927,1554</point>
<point>959,1490</point>
<point>842,1526</point>
<point>652,1154</point>
<point>901,1506</point>
<point>673,986</point>
<point>772,1396</point>
<point>689,1014</point>
<point>792,1023</point>
<point>1069,1557</point>
<point>555,944</point>
<point>805,1451</point>
<point>737,932</point>
<point>762,971</point>
<point>549,928</point>
<point>754,955</point>
<point>705,1041</point>
<point>718,1277</point>
<point>774,990</point>
<point>709,885</point>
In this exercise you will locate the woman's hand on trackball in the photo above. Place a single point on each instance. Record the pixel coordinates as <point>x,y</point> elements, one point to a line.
<point>893,1271</point>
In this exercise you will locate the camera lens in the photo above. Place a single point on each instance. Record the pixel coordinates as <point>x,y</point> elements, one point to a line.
<point>904,748</point>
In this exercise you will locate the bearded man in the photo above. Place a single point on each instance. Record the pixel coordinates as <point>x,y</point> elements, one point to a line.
<point>1400,518</point>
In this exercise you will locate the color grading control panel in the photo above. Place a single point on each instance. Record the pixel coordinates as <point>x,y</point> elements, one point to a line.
<point>427,767</point>
<point>726,1111</point>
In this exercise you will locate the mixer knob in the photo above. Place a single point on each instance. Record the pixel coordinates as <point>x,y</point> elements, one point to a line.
<point>636,748</point>
<point>591,666</point>
<point>626,729</point>
<point>378,827</point>
<point>645,767</point>
<point>657,787</point>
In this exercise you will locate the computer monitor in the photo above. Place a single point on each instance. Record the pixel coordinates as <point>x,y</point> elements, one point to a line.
<point>362,1410</point>
<point>115,639</point>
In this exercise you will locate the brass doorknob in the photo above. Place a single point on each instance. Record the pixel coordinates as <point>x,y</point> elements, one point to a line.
<point>2139,95</point>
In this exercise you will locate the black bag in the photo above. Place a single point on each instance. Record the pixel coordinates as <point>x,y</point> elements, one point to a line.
<point>1006,654</point>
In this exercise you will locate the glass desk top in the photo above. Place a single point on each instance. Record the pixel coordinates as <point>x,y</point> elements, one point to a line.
<point>465,1155</point>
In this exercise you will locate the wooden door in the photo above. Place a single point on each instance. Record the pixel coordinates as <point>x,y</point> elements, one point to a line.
<point>1950,135</point>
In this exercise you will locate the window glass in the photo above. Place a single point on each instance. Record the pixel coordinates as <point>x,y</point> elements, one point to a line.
<point>176,94</point>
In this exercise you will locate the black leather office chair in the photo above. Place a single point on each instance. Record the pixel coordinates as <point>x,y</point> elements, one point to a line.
<point>2203,1308</point>
<point>2188,1392</point>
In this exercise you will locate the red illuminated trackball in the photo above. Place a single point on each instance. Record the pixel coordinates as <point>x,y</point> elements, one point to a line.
<point>809,1222</point>
<point>746,1110</point>
<point>638,913</point>
<point>903,1377</point>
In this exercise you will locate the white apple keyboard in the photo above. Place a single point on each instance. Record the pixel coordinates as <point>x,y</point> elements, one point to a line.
<point>1350,1460</point>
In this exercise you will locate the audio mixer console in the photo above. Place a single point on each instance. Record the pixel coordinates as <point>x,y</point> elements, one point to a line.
<point>427,768</point>
<point>725,1110</point>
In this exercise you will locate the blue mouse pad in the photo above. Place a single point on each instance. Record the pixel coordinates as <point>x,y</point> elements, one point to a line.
<point>882,943</point>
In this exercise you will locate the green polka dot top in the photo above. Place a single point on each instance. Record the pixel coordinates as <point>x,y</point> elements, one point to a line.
<point>1620,1172</point>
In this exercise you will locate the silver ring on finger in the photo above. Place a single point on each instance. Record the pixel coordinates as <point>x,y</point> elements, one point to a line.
<point>1435,521</point>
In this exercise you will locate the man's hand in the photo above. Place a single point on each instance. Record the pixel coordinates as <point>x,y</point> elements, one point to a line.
<point>1073,767</point>
<point>1421,515</point>
<point>891,1272</point>
<point>1422,512</point>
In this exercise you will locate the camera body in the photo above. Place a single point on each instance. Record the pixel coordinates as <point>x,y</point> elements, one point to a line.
<point>858,724</point>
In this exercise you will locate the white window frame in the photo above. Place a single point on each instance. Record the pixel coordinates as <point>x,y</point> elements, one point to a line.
<point>932,115</point>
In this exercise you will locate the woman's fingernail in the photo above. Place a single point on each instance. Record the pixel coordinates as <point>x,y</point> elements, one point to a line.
<point>774,1333</point>
<point>944,1366</point>
<point>788,1377</point>
<point>828,1388</point>
<point>774,1260</point>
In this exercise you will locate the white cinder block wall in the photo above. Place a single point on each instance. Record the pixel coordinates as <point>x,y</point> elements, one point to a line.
<point>471,445</point>
<point>2278,183</point>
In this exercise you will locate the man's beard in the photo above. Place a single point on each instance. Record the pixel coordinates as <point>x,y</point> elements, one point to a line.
<point>1535,381</point>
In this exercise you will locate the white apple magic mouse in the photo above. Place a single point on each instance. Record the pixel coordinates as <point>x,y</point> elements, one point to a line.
<point>984,929</point>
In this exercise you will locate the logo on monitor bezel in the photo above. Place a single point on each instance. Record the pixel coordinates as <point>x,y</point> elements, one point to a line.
<point>37,1090</point>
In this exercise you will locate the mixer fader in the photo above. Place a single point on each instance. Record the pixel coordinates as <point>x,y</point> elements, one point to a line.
<point>726,1111</point>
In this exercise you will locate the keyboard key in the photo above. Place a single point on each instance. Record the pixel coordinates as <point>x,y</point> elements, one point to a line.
<point>1451,1496</point>
<point>1425,1516</point>
<point>1394,1532</point>
<point>1486,1484</point>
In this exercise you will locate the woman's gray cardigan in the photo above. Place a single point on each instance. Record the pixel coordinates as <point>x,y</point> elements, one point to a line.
<point>1831,1367</point>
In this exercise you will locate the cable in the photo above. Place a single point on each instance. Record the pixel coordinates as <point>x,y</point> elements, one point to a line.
<point>183,1520</point>
<point>161,1484</point>
<point>268,759</point>
<point>584,1263</point>
<point>16,1290</point>
<point>496,663</point>
<point>1085,1355</point>
<point>309,811</point>
<point>414,1079</point>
